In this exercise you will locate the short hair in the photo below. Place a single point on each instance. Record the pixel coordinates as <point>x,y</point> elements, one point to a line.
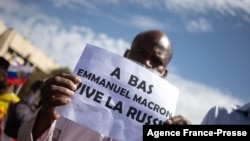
<point>36,85</point>
<point>139,37</point>
<point>4,64</point>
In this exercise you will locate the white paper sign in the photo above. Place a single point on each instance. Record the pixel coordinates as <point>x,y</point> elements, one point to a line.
<point>117,96</point>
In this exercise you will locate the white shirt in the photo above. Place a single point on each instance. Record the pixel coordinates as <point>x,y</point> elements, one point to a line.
<point>228,115</point>
<point>61,129</point>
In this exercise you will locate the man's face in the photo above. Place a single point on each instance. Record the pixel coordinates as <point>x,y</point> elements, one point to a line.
<point>153,53</point>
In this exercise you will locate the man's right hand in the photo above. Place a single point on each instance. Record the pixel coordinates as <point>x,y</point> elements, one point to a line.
<point>58,90</point>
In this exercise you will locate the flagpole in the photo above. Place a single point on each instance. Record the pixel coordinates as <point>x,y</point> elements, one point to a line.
<point>18,89</point>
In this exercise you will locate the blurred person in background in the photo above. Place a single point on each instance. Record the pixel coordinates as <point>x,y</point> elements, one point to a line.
<point>7,96</point>
<point>231,115</point>
<point>23,110</point>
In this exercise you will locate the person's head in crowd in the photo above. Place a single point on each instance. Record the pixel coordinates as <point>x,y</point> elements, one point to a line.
<point>34,95</point>
<point>152,49</point>
<point>4,65</point>
<point>36,86</point>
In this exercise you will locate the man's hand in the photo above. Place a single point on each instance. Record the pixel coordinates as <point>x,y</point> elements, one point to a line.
<point>58,90</point>
<point>178,120</point>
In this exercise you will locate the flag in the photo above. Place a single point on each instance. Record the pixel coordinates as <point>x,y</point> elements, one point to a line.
<point>18,75</point>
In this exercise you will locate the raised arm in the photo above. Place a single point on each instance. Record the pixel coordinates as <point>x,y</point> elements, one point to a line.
<point>56,91</point>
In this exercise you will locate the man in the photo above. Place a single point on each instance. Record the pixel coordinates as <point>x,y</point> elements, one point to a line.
<point>150,48</point>
<point>235,115</point>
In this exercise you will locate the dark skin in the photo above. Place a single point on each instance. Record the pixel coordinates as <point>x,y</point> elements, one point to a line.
<point>151,48</point>
<point>154,50</point>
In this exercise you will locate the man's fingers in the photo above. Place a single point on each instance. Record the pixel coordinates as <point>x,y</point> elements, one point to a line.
<point>71,77</point>
<point>178,120</point>
<point>58,100</point>
<point>58,90</point>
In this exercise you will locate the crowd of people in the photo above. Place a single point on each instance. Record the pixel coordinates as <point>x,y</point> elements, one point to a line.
<point>15,110</point>
<point>7,95</point>
<point>33,117</point>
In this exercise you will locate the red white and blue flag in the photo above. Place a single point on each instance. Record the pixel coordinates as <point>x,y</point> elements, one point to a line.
<point>18,75</point>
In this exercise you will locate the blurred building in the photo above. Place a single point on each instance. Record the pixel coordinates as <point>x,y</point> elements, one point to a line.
<point>17,49</point>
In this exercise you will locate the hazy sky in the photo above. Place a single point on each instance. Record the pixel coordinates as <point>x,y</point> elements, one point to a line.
<point>211,40</point>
